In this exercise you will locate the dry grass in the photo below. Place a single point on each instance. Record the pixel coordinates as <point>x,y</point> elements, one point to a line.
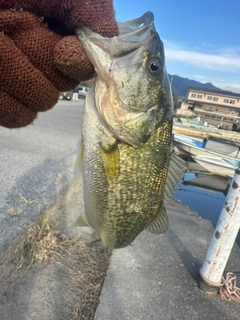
<point>40,242</point>
<point>59,275</point>
<point>26,201</point>
<point>61,176</point>
<point>81,269</point>
<point>14,212</point>
<point>86,269</point>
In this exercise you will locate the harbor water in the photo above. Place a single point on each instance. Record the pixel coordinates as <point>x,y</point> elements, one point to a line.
<point>204,194</point>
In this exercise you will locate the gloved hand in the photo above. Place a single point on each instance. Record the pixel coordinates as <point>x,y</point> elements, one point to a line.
<point>36,63</point>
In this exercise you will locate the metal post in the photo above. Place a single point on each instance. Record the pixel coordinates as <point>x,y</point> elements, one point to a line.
<point>224,236</point>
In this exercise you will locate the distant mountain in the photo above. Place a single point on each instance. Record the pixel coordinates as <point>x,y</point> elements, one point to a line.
<point>180,85</point>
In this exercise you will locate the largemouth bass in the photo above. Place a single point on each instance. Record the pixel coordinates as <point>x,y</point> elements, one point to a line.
<point>127,134</point>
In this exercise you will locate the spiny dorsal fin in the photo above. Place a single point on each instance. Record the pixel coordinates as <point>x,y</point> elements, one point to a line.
<point>160,222</point>
<point>176,171</point>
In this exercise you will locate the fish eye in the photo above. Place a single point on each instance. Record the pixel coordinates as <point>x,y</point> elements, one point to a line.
<point>155,66</point>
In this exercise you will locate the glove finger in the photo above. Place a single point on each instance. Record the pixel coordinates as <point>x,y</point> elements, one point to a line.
<point>71,59</point>
<point>22,81</point>
<point>37,42</point>
<point>13,114</point>
<point>13,21</point>
<point>97,15</point>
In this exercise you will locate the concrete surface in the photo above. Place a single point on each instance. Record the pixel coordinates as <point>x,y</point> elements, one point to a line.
<point>37,163</point>
<point>157,277</point>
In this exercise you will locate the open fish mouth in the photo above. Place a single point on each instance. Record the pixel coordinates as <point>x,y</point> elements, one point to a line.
<point>132,35</point>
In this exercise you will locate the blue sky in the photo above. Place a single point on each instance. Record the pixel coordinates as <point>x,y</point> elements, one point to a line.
<point>201,37</point>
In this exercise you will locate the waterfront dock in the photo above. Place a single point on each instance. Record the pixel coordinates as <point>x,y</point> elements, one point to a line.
<point>157,277</point>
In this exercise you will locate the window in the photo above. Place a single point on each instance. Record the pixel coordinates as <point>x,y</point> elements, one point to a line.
<point>232,101</point>
<point>215,99</point>
<point>209,98</point>
<point>199,96</point>
<point>193,95</point>
<point>226,100</point>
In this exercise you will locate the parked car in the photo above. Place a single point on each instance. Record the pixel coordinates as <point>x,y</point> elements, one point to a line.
<point>66,95</point>
<point>82,91</point>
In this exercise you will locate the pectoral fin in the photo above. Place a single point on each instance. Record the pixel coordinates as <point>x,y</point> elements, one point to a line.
<point>160,222</point>
<point>111,162</point>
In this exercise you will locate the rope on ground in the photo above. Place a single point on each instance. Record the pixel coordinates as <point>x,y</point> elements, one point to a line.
<point>229,289</point>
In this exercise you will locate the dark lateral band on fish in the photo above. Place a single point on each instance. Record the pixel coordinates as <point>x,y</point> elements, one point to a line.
<point>128,166</point>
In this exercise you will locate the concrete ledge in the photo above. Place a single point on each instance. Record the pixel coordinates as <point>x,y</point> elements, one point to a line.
<point>157,277</point>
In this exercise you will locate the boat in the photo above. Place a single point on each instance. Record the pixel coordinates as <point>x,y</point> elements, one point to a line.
<point>216,166</point>
<point>206,132</point>
<point>209,182</point>
<point>187,146</point>
<point>196,168</point>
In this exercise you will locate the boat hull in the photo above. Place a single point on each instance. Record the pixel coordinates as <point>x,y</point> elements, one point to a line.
<point>216,166</point>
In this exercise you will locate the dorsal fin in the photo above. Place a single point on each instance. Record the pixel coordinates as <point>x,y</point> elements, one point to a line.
<point>176,171</point>
<point>175,174</point>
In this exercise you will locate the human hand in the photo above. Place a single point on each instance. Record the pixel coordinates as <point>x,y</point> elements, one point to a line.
<point>37,63</point>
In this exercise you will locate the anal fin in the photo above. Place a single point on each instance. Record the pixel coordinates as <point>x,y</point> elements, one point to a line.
<point>160,222</point>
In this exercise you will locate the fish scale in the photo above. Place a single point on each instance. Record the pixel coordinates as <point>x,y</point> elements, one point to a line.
<point>125,154</point>
<point>147,181</point>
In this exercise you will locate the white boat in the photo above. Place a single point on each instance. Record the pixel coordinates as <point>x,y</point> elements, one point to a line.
<point>208,147</point>
<point>194,167</point>
<point>216,165</point>
<point>209,182</point>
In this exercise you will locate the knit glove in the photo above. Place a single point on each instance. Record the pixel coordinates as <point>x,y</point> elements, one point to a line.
<point>39,54</point>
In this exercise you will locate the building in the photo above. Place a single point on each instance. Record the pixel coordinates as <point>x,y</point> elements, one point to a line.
<point>216,107</point>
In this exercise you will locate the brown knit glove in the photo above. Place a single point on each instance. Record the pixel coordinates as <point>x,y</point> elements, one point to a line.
<point>36,63</point>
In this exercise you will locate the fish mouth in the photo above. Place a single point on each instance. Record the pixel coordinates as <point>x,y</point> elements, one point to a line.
<point>132,35</point>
